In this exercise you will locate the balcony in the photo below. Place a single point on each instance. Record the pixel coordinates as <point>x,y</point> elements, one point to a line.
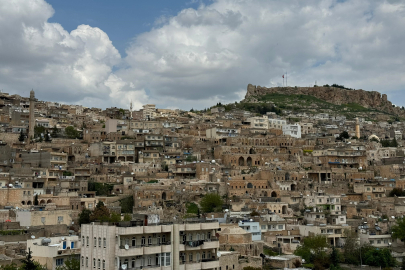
<point>190,265</point>
<point>210,225</point>
<point>152,229</point>
<point>152,250</point>
<point>131,251</point>
<point>210,263</point>
<point>139,250</point>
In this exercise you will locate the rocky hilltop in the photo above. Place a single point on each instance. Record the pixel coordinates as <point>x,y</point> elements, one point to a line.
<point>334,95</point>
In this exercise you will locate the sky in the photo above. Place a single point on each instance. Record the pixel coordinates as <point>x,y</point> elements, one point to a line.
<point>192,54</point>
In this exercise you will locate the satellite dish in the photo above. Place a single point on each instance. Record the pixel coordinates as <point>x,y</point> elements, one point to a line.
<point>32,236</point>
<point>218,254</point>
<point>124,266</point>
<point>126,247</point>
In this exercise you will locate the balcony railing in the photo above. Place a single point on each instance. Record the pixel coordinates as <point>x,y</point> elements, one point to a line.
<point>148,245</point>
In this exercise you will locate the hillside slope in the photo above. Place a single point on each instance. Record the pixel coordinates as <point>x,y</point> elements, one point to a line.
<point>352,103</point>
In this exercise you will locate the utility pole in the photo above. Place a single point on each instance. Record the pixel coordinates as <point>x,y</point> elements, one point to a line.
<point>286,78</point>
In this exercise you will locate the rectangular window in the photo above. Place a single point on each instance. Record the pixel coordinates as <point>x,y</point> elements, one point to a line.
<point>59,262</point>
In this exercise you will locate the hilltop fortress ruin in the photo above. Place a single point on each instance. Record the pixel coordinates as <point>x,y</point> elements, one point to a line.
<point>335,95</point>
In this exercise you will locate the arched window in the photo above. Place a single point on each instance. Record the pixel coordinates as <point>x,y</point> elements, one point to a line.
<point>82,261</point>
<point>103,264</point>
<point>105,242</point>
<point>99,264</point>
<point>87,241</point>
<point>94,263</point>
<point>87,261</point>
<point>99,242</point>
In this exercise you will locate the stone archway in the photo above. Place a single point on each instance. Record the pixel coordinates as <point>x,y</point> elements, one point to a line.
<point>284,210</point>
<point>49,201</point>
<point>164,196</point>
<point>249,161</point>
<point>293,187</point>
<point>42,202</point>
<point>29,203</point>
<point>274,194</point>
<point>23,202</point>
<point>241,161</point>
<point>249,185</point>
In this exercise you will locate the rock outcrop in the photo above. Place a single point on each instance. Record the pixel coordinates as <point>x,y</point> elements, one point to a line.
<point>338,96</point>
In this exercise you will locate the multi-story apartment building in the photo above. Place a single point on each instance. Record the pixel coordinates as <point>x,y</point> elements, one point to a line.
<point>136,245</point>
<point>277,123</point>
<point>149,111</point>
<point>258,122</point>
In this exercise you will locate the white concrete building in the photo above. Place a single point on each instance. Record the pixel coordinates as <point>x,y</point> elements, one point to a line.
<point>293,130</point>
<point>54,251</point>
<point>158,246</point>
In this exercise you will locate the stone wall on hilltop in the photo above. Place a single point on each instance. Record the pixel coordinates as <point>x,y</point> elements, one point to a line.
<point>338,96</point>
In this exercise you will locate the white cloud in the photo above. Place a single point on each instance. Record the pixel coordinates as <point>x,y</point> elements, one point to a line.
<point>73,67</point>
<point>206,55</point>
<point>213,52</point>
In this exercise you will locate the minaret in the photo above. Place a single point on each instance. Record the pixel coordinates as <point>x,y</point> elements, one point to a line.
<point>32,114</point>
<point>357,128</point>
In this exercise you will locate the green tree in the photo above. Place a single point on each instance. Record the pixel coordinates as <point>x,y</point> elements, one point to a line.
<point>55,132</point>
<point>379,257</point>
<point>127,204</point>
<point>29,264</point>
<point>127,217</point>
<point>72,263</point>
<point>114,217</point>
<point>12,266</point>
<point>192,208</point>
<point>101,213</point>
<point>351,249</point>
<point>334,257</point>
<point>22,137</point>
<point>71,132</point>
<point>343,135</point>
<point>313,250</point>
<point>396,192</point>
<point>36,202</point>
<point>38,130</point>
<point>403,264</point>
<point>211,202</point>
<point>84,216</point>
<point>398,230</point>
